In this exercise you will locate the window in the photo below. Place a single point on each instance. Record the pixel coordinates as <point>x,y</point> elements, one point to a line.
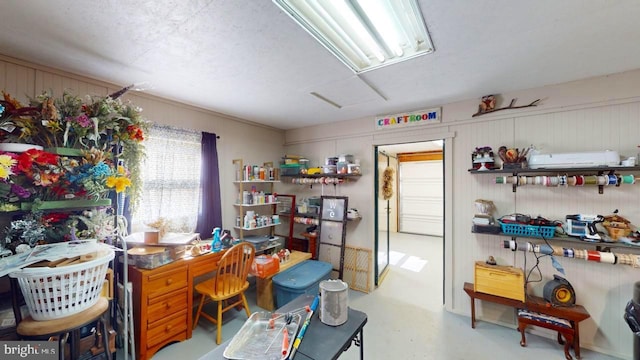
<point>170,179</point>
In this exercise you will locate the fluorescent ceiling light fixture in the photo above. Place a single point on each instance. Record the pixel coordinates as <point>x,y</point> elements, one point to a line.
<point>364,34</point>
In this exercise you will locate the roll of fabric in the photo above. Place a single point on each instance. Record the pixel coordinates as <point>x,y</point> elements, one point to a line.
<point>557,250</point>
<point>545,249</point>
<point>607,257</point>
<point>568,252</point>
<point>593,255</point>
<point>624,259</point>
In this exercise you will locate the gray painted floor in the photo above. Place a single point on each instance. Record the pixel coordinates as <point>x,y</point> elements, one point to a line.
<point>406,319</point>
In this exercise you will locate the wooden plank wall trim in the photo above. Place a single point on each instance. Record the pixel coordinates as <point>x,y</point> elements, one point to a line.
<point>420,156</point>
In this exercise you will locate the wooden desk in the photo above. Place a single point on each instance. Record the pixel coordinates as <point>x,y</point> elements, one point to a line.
<point>574,314</point>
<point>264,286</point>
<point>163,301</point>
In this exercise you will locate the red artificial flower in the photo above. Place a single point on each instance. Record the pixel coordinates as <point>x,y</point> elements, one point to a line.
<point>39,157</point>
<point>135,133</point>
<point>59,190</point>
<point>53,218</point>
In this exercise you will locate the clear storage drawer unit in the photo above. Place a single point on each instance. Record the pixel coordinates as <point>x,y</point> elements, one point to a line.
<point>303,278</point>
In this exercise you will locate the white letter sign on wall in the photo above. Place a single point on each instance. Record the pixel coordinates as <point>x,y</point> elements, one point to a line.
<point>420,117</point>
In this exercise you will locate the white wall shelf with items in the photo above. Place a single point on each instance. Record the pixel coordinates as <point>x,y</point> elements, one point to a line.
<point>256,202</point>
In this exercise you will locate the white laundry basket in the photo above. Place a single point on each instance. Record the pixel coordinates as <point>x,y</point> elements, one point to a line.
<point>53,293</point>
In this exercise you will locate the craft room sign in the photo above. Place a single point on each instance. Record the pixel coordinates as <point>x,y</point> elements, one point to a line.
<point>420,117</point>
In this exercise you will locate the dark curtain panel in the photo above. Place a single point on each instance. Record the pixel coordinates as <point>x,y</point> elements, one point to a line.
<point>210,212</point>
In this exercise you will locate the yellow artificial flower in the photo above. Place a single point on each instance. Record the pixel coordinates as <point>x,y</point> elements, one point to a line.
<point>7,161</point>
<point>120,183</point>
<point>4,173</point>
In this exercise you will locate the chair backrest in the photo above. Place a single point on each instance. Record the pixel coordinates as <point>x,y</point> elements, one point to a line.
<point>233,269</point>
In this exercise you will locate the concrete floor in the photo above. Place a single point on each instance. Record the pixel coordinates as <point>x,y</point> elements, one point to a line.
<point>406,319</point>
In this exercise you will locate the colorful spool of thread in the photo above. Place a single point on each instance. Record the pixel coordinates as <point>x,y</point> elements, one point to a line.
<point>628,179</point>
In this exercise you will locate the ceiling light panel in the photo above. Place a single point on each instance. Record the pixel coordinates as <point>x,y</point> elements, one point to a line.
<point>363,34</point>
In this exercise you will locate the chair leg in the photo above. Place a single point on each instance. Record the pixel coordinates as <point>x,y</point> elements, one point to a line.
<point>62,342</point>
<point>246,304</point>
<point>219,332</point>
<point>105,337</point>
<point>195,321</point>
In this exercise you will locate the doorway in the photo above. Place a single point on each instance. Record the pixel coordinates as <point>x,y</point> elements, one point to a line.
<point>409,225</point>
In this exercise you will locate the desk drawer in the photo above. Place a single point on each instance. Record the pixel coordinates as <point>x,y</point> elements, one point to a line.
<point>163,306</point>
<point>505,281</point>
<point>204,264</point>
<point>166,281</point>
<point>164,329</point>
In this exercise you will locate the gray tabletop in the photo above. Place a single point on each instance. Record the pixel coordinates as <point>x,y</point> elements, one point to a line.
<point>321,341</point>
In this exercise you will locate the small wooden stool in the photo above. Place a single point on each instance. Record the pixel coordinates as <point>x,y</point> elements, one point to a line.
<point>29,328</point>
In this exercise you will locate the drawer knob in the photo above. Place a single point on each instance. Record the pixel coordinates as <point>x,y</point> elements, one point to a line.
<point>167,305</point>
<point>168,328</point>
<point>169,281</point>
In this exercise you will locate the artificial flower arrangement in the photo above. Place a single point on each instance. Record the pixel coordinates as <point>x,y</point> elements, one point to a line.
<point>105,133</point>
<point>38,228</point>
<point>89,124</point>
<point>36,176</point>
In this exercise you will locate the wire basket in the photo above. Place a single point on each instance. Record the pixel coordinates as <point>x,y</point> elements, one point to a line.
<point>53,293</point>
<point>546,232</point>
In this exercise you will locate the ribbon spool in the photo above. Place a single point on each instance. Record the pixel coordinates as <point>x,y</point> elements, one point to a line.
<point>559,292</point>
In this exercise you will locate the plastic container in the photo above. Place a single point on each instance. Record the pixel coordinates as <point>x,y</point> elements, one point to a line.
<point>334,302</point>
<point>264,266</point>
<point>303,278</point>
<point>258,241</point>
<point>342,167</point>
<point>329,169</point>
<point>348,158</point>
<point>53,293</point>
<point>546,232</point>
<point>290,169</point>
<point>216,244</point>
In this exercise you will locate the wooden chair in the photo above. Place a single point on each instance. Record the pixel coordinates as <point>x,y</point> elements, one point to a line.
<point>229,281</point>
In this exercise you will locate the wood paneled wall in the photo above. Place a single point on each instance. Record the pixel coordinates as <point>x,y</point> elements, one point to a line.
<point>588,115</point>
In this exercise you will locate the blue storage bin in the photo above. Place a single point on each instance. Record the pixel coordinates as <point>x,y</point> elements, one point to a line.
<point>303,278</point>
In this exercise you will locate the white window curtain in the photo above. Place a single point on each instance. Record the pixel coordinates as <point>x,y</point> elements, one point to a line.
<point>170,180</point>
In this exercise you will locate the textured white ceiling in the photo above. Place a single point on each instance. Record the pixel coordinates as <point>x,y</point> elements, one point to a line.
<point>248,59</point>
